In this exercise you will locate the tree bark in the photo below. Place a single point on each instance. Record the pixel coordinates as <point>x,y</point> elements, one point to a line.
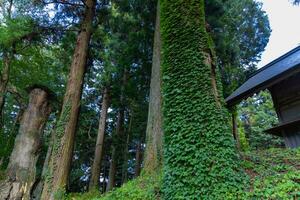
<point>126,152</point>
<point>138,160</point>
<point>21,170</point>
<point>94,181</point>
<point>235,130</point>
<point>3,82</point>
<point>5,73</point>
<point>65,131</point>
<point>115,150</point>
<point>118,145</point>
<point>154,148</point>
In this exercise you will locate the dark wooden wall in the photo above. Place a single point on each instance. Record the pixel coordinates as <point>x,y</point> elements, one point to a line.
<point>286,97</point>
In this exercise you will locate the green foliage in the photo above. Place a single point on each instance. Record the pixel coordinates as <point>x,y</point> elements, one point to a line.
<point>142,188</point>
<point>275,174</point>
<point>257,114</point>
<point>233,24</point>
<point>200,157</point>
<point>14,30</point>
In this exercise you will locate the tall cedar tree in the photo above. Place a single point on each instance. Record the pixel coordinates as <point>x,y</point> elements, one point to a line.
<point>95,176</point>
<point>62,149</point>
<point>154,149</point>
<point>200,159</point>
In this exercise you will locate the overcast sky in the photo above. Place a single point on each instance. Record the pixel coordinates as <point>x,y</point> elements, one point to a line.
<point>285,24</point>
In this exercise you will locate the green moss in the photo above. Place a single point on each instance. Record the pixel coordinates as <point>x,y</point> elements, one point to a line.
<point>199,152</point>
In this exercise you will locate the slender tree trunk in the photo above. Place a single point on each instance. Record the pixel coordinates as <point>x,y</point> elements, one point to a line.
<point>21,170</point>
<point>235,129</point>
<point>125,156</point>
<point>118,147</point>
<point>65,131</point>
<point>115,150</point>
<point>154,148</point>
<point>94,181</point>
<point>3,83</point>
<point>4,79</point>
<point>138,160</point>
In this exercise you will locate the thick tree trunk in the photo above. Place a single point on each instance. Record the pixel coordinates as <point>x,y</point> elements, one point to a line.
<point>115,150</point>
<point>138,160</point>
<point>65,131</point>
<point>94,181</point>
<point>154,149</point>
<point>199,152</point>
<point>21,170</point>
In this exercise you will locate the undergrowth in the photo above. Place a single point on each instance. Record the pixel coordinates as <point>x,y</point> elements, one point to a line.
<point>274,173</point>
<point>142,188</point>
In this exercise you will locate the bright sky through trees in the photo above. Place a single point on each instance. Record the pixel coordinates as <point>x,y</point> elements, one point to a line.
<point>284,21</point>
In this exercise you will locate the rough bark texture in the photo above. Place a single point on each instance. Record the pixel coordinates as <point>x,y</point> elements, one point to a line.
<point>94,181</point>
<point>22,166</point>
<point>65,132</point>
<point>114,155</point>
<point>154,149</point>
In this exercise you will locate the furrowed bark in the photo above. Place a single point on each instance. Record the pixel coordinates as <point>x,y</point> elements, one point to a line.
<point>21,170</point>
<point>65,132</point>
<point>154,149</point>
<point>94,181</point>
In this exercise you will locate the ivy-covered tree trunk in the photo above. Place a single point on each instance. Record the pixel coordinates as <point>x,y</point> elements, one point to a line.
<point>154,133</point>
<point>200,159</point>
<point>94,181</point>
<point>62,150</point>
<point>21,170</point>
<point>117,138</point>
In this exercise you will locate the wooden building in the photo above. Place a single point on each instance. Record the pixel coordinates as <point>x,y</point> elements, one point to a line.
<point>282,78</point>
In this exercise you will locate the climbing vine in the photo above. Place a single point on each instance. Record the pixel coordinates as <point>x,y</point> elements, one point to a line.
<point>200,157</point>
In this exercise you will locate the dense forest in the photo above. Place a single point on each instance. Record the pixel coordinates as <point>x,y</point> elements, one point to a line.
<point>124,99</point>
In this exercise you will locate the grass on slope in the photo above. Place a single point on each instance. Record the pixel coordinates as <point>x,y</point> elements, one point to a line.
<point>274,175</point>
